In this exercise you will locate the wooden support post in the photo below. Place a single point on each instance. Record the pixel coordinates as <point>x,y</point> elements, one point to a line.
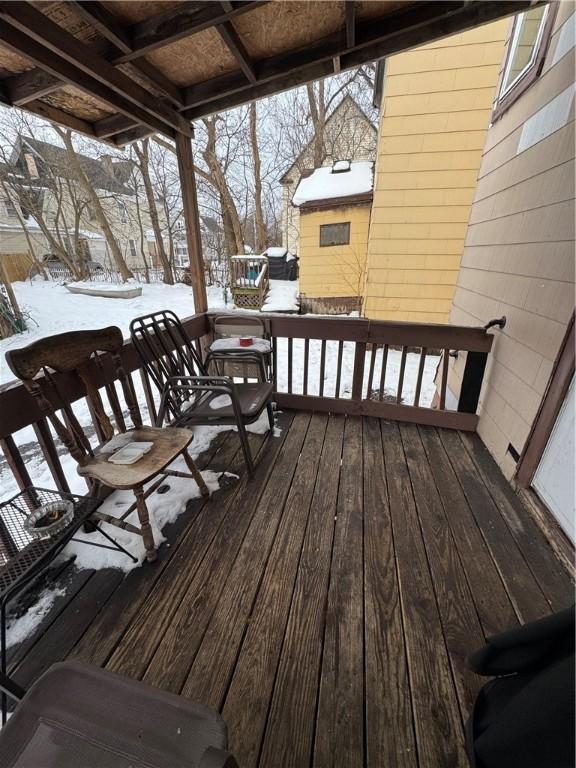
<point>191,220</point>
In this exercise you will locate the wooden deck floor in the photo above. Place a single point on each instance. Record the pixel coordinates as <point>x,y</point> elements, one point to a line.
<point>325,607</point>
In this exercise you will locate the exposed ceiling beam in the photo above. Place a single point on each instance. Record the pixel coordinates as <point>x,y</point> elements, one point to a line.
<point>109,27</point>
<point>25,19</point>
<point>183,20</point>
<point>22,44</point>
<point>350,10</point>
<point>104,22</point>
<point>404,29</point>
<point>236,47</point>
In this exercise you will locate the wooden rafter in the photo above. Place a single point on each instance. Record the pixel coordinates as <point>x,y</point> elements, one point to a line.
<point>108,26</point>
<point>373,40</point>
<point>27,29</point>
<point>179,22</point>
<point>236,47</point>
<point>350,10</point>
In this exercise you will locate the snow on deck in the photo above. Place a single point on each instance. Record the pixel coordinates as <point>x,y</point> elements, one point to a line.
<point>329,182</point>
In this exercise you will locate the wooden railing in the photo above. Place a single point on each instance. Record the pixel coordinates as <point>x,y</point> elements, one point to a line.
<point>341,365</point>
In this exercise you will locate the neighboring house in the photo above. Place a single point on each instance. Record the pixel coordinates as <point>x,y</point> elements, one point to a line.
<point>349,134</point>
<point>436,107</point>
<point>334,204</point>
<point>64,209</point>
<point>519,262</point>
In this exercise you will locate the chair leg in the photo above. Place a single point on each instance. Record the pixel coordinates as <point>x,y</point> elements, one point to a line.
<point>270,416</point>
<point>145,527</point>
<point>245,447</point>
<point>195,472</point>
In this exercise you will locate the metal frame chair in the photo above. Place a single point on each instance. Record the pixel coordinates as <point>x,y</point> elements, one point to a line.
<point>190,394</point>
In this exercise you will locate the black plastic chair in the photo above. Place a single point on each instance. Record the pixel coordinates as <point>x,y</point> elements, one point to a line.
<point>79,715</point>
<point>190,394</point>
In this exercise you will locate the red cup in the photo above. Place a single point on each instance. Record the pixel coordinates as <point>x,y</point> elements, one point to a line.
<point>246,341</point>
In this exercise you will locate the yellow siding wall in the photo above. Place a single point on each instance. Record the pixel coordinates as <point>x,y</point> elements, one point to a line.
<point>337,270</point>
<point>436,109</point>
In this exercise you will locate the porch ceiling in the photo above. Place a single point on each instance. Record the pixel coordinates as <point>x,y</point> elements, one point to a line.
<point>121,70</point>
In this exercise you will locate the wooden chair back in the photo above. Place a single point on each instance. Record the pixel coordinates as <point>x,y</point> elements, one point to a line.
<point>78,354</point>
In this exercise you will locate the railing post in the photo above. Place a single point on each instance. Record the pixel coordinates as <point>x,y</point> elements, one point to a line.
<point>358,373</point>
<point>472,381</point>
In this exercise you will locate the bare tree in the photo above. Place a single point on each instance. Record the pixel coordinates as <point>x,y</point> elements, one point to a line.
<point>95,203</point>
<point>260,234</point>
<point>142,151</point>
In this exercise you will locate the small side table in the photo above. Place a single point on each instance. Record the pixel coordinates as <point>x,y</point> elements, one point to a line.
<point>237,360</point>
<point>23,558</point>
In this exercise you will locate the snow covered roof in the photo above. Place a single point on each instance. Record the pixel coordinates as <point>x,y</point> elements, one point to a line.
<point>342,180</point>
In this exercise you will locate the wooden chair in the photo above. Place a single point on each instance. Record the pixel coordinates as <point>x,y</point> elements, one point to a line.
<point>190,395</point>
<point>77,354</point>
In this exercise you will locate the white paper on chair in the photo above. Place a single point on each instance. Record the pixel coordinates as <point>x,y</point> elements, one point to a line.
<point>131,453</point>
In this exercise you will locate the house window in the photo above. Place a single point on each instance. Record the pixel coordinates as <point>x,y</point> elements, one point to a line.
<point>527,48</point>
<point>132,247</point>
<point>122,212</point>
<point>334,234</point>
<point>10,209</point>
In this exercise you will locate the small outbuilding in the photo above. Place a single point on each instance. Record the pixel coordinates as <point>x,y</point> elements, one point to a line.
<point>335,204</point>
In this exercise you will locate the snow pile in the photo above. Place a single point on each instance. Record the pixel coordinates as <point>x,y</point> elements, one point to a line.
<point>22,627</point>
<point>282,296</point>
<point>327,183</point>
<point>275,252</point>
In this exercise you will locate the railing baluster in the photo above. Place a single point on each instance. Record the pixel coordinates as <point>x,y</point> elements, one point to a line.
<point>420,376</point>
<point>15,462</point>
<point>383,372</point>
<point>148,396</point>
<point>444,384</point>
<point>322,367</point>
<point>290,365</point>
<point>306,358</point>
<point>401,376</point>
<point>46,443</point>
<point>358,372</point>
<point>373,354</point>
<point>339,368</point>
<point>275,363</point>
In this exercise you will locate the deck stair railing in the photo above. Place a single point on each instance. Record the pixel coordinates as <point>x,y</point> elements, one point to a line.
<point>249,281</point>
<point>342,365</point>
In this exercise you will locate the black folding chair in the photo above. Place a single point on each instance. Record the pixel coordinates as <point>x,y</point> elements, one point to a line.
<point>190,394</point>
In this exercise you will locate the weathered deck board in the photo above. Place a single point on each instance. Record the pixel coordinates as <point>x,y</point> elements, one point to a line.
<point>521,584</point>
<point>436,711</point>
<point>340,720</point>
<point>493,604</point>
<point>385,649</point>
<point>458,616</point>
<point>293,704</point>
<point>326,606</point>
<point>247,702</point>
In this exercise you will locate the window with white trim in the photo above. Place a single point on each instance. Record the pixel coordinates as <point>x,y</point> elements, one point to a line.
<point>525,42</point>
